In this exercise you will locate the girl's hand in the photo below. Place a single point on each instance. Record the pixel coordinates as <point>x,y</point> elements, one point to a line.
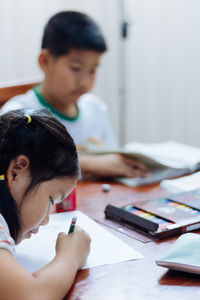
<point>75,246</point>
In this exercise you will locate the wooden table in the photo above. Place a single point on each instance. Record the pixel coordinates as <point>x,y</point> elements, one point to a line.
<point>139,279</point>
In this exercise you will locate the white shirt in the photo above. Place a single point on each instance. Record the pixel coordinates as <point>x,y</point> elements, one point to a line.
<point>92,120</point>
<point>6,241</point>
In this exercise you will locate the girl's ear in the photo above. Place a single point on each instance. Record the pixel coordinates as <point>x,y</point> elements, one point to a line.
<point>18,168</point>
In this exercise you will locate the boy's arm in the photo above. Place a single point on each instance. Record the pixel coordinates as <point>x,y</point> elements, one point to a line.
<point>111,165</point>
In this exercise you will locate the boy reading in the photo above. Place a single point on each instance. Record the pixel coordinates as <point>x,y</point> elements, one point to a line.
<point>72,46</point>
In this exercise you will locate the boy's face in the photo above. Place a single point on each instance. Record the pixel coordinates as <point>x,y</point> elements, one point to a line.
<point>70,76</point>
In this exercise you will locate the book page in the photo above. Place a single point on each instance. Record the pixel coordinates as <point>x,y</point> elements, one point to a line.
<point>171,153</point>
<point>37,251</point>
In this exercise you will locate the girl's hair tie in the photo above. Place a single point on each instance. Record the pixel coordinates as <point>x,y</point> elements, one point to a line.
<point>29,118</point>
<point>2,177</point>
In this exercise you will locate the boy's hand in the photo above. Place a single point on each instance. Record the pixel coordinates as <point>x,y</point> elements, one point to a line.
<point>74,246</point>
<point>111,165</point>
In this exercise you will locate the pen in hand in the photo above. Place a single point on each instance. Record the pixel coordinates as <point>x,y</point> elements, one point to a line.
<point>72,226</point>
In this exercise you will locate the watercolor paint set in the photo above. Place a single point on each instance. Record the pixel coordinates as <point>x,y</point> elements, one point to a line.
<point>190,198</point>
<point>160,217</point>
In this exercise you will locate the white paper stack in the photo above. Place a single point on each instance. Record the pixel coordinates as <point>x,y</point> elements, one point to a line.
<point>183,184</point>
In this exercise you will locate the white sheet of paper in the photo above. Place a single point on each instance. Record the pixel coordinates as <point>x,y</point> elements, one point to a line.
<point>37,251</point>
<point>183,184</point>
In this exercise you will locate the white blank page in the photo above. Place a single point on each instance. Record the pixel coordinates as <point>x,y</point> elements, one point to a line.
<point>106,248</point>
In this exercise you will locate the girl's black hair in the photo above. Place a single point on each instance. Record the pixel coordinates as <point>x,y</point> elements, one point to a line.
<point>69,29</point>
<point>47,144</point>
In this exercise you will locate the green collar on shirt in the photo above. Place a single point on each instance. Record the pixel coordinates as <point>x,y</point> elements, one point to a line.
<point>52,109</point>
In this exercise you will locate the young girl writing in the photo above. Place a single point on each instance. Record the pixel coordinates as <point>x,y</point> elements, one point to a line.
<point>38,168</point>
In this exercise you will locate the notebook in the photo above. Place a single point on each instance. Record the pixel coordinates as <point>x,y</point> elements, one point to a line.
<point>161,217</point>
<point>183,255</point>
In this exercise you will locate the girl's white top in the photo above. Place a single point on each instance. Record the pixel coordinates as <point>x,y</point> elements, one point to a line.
<point>6,241</point>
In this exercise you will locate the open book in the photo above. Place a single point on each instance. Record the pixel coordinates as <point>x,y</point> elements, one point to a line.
<point>164,160</point>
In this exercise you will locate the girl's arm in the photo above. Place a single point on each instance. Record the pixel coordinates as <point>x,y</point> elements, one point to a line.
<point>52,281</point>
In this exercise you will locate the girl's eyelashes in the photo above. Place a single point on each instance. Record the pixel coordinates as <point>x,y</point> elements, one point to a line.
<point>51,200</point>
<point>57,200</point>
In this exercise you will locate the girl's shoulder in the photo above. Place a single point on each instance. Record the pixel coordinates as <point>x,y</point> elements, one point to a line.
<point>6,241</point>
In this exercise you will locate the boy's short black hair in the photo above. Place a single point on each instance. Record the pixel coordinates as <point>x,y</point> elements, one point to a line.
<point>69,29</point>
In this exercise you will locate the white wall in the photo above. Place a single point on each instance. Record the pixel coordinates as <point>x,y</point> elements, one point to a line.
<point>163,67</point>
<point>162,56</point>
